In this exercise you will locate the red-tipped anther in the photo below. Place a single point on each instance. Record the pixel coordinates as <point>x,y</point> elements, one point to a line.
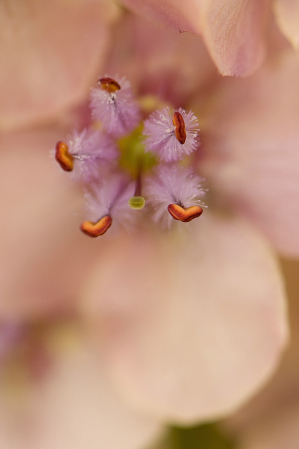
<point>185,215</point>
<point>98,228</point>
<point>63,157</point>
<point>108,84</point>
<point>180,129</point>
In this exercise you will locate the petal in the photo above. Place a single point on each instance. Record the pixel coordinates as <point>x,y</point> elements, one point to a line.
<point>250,139</point>
<point>172,13</point>
<point>273,414</point>
<point>233,32</point>
<point>192,323</point>
<point>50,55</point>
<point>287,17</point>
<point>43,255</point>
<point>73,405</point>
<point>158,61</point>
<point>275,431</point>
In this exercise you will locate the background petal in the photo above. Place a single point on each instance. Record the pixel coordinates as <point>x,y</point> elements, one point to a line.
<point>250,142</point>
<point>270,420</point>
<point>72,405</point>
<point>287,17</point>
<point>44,256</point>
<point>191,323</point>
<point>51,53</point>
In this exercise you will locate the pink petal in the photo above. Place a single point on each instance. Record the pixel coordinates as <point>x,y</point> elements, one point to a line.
<point>251,142</point>
<point>172,13</point>
<point>50,55</point>
<point>43,255</point>
<point>234,34</point>
<point>287,17</point>
<point>233,31</point>
<point>191,323</point>
<point>158,61</point>
<point>72,406</point>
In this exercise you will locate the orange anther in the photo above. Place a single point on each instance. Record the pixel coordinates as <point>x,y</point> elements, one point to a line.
<point>185,215</point>
<point>108,84</point>
<point>180,129</point>
<point>63,157</point>
<point>98,228</point>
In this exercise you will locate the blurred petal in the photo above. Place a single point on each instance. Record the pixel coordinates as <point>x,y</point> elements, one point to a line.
<point>234,34</point>
<point>50,54</point>
<point>287,17</point>
<point>277,430</point>
<point>251,139</point>
<point>43,255</point>
<point>192,324</point>
<point>233,31</point>
<point>72,406</point>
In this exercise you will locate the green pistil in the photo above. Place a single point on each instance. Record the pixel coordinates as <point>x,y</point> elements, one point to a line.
<point>137,202</point>
<point>133,156</point>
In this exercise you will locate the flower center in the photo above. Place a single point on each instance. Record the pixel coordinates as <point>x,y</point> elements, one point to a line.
<point>129,165</point>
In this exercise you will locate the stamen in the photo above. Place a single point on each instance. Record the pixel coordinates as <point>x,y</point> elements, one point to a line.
<point>108,84</point>
<point>63,157</point>
<point>184,215</point>
<point>98,228</point>
<point>180,129</point>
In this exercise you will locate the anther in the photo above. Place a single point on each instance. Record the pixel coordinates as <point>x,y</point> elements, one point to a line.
<point>108,84</point>
<point>63,157</point>
<point>98,228</point>
<point>180,129</point>
<point>185,215</point>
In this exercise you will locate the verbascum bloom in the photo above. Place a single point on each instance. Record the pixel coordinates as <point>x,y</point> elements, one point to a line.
<point>175,312</point>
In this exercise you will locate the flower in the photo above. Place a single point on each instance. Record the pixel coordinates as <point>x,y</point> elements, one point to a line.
<point>186,324</point>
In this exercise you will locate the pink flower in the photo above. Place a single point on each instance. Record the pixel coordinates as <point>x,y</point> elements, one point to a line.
<point>185,324</point>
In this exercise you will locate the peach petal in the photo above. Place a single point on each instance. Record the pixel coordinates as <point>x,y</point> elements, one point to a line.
<point>250,140</point>
<point>234,34</point>
<point>192,324</point>
<point>72,406</point>
<point>50,55</point>
<point>44,256</point>
<point>233,31</point>
<point>287,17</point>
<point>172,13</point>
